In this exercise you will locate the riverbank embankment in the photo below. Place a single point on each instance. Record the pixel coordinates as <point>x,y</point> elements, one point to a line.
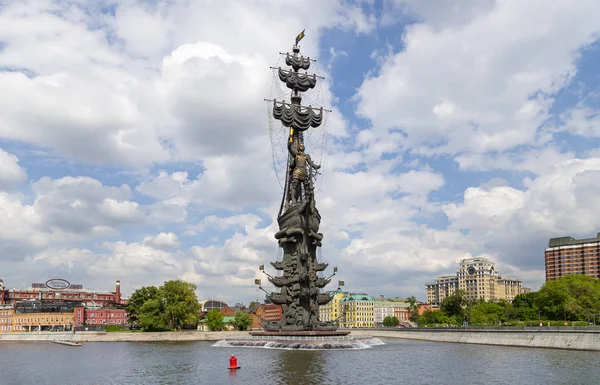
<point>557,339</point>
<point>122,337</point>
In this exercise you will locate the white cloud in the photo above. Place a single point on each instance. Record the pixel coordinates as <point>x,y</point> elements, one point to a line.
<point>10,171</point>
<point>79,94</point>
<point>163,240</point>
<point>163,86</point>
<point>515,225</point>
<point>484,83</point>
<point>581,121</point>
<point>83,204</point>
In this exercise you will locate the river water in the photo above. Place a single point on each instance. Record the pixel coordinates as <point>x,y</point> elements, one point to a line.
<point>396,362</point>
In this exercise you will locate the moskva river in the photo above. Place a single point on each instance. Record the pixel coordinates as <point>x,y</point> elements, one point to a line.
<point>397,362</point>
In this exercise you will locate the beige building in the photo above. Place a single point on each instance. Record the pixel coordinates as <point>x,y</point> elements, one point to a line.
<point>478,278</point>
<point>358,311</point>
<point>444,286</point>
<point>332,311</point>
<point>12,321</point>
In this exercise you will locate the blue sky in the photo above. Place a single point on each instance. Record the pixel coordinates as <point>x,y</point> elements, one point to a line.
<point>134,142</point>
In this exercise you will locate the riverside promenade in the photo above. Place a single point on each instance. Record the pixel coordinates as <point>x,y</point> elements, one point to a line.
<point>556,338</point>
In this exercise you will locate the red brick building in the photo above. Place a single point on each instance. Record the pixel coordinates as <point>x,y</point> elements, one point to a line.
<point>270,312</point>
<point>100,316</point>
<point>59,290</point>
<point>567,255</point>
<point>227,312</point>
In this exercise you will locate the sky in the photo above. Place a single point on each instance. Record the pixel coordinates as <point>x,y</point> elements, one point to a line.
<point>136,145</point>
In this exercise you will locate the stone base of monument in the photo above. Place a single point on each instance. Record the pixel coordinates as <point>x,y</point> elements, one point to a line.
<point>321,340</point>
<point>312,333</point>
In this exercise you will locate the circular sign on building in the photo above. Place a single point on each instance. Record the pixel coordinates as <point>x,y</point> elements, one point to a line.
<point>58,284</point>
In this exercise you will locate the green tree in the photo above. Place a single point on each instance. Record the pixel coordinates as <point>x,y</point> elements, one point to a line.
<point>572,297</point>
<point>390,321</point>
<point>525,300</point>
<point>436,317</point>
<point>173,305</point>
<point>137,300</point>
<point>180,304</point>
<point>151,317</point>
<point>454,305</point>
<point>242,320</point>
<point>214,320</point>
<point>253,305</point>
<point>413,308</point>
<point>490,313</point>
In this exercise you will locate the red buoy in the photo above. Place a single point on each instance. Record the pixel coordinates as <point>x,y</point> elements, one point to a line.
<point>233,362</point>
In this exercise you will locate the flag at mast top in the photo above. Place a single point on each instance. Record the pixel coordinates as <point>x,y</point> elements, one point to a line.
<point>300,36</point>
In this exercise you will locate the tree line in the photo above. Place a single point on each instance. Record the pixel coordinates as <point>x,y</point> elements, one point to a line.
<point>174,306</point>
<point>572,298</point>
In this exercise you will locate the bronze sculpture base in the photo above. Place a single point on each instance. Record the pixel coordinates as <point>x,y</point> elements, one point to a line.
<point>313,333</point>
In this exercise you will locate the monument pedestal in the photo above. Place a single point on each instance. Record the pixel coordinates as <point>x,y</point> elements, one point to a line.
<point>312,333</point>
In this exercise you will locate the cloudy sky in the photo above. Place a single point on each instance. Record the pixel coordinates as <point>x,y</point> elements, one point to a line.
<point>135,143</point>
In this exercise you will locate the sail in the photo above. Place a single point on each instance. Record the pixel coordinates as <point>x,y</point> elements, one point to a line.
<point>297,81</point>
<point>296,117</point>
<point>297,62</point>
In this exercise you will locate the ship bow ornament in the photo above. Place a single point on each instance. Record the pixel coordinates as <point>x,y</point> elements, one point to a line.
<point>298,282</point>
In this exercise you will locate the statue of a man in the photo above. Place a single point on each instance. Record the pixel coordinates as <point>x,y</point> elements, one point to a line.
<point>299,173</point>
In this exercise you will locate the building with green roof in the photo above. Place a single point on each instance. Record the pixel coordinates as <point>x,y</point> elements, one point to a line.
<point>358,311</point>
<point>228,324</point>
<point>386,307</point>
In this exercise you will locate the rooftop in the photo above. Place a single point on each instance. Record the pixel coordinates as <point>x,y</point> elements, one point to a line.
<point>565,241</point>
<point>357,297</point>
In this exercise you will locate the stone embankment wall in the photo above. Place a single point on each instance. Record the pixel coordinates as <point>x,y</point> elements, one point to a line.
<point>121,337</point>
<point>567,339</point>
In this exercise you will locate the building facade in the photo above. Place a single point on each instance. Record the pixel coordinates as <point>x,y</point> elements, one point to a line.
<point>27,316</point>
<point>270,312</point>
<point>358,311</point>
<point>478,278</point>
<point>385,307</point>
<point>104,316</point>
<point>59,290</point>
<point>332,311</point>
<point>444,286</point>
<point>212,304</point>
<point>567,255</point>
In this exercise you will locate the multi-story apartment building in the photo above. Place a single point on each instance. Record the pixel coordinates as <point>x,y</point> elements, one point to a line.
<point>567,255</point>
<point>332,310</point>
<point>358,311</point>
<point>444,286</point>
<point>478,278</point>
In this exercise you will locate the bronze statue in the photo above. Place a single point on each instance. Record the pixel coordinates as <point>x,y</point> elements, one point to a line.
<point>301,161</point>
<point>299,282</point>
